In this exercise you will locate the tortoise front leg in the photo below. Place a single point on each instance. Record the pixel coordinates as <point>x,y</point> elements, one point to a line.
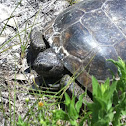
<point>73,87</point>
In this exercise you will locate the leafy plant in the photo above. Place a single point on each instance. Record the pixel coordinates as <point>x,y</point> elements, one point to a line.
<point>109,99</point>
<point>119,98</point>
<point>121,66</point>
<point>72,110</point>
<point>101,108</point>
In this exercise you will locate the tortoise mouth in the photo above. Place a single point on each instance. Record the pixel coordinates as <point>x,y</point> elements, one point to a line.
<point>42,67</point>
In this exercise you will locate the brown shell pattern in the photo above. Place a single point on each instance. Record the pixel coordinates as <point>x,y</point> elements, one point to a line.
<point>89,33</point>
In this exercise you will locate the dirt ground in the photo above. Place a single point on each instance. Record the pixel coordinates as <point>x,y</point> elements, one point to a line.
<point>13,74</point>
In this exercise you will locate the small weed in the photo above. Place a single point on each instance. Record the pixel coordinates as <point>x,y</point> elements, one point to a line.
<point>72,1</point>
<point>21,122</point>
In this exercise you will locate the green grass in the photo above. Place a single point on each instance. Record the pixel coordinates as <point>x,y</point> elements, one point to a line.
<point>109,105</point>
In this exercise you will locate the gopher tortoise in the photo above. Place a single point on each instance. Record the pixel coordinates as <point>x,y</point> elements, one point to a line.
<point>81,38</point>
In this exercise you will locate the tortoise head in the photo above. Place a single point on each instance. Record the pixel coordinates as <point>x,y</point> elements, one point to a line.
<point>47,64</point>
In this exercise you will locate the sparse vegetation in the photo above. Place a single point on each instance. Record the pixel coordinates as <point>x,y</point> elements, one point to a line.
<point>72,1</point>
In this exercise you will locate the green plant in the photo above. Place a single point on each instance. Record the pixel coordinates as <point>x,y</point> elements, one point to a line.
<point>119,98</point>
<point>108,106</point>
<point>72,1</point>
<point>109,100</point>
<point>36,115</point>
<point>21,122</point>
<point>101,108</point>
<point>72,110</point>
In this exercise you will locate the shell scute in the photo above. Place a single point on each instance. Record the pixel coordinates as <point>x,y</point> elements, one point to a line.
<point>116,10</point>
<point>78,41</point>
<point>90,5</point>
<point>84,78</point>
<point>72,63</point>
<point>97,65</point>
<point>121,49</point>
<point>64,20</point>
<point>102,28</point>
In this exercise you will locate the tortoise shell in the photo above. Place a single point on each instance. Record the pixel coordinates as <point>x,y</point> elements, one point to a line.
<point>87,34</point>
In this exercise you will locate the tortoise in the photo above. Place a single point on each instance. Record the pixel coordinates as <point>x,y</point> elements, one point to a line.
<point>81,38</point>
